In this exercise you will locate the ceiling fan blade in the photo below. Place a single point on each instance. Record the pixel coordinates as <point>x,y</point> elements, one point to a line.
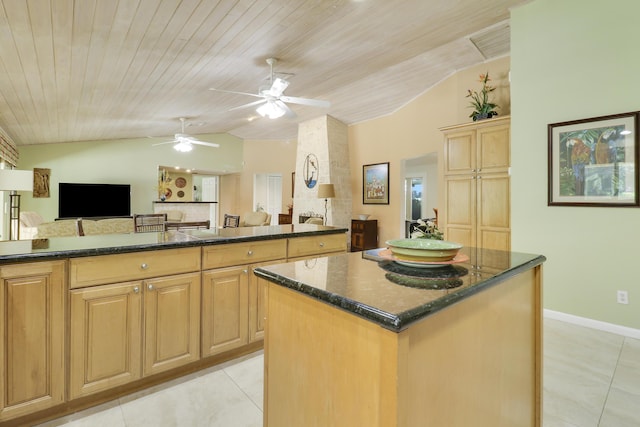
<point>306,101</point>
<point>237,93</point>
<point>162,143</point>
<point>208,144</point>
<point>251,104</point>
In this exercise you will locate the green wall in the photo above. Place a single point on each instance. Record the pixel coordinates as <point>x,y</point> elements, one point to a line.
<point>125,161</point>
<point>572,59</point>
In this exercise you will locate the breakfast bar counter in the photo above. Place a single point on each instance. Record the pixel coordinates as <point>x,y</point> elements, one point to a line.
<point>87,319</point>
<point>360,340</point>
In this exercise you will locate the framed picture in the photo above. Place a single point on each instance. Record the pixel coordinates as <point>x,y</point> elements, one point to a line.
<point>594,162</point>
<point>375,183</point>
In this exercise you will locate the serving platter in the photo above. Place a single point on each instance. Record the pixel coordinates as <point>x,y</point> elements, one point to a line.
<point>420,250</point>
<point>389,255</point>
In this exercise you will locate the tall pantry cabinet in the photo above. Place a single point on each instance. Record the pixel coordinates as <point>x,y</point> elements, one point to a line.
<point>477,185</point>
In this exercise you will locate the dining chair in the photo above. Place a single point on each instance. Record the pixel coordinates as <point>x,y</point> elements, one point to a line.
<point>172,225</point>
<point>144,223</point>
<point>231,221</point>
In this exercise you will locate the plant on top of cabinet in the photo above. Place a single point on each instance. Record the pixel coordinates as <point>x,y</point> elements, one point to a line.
<point>482,108</point>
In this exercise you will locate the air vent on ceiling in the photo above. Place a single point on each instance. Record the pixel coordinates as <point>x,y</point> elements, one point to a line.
<point>494,41</point>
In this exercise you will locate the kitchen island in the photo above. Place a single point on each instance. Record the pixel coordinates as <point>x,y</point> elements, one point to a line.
<point>358,340</point>
<point>87,319</point>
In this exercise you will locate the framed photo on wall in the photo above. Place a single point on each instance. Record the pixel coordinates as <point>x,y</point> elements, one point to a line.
<point>594,162</point>
<point>375,183</point>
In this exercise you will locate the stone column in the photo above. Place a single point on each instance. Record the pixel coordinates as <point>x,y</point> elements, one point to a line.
<point>326,138</point>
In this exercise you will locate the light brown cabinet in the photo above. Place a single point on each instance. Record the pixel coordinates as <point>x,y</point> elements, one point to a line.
<point>105,337</point>
<point>232,296</point>
<point>120,332</point>
<point>225,312</point>
<point>32,306</point>
<point>477,184</point>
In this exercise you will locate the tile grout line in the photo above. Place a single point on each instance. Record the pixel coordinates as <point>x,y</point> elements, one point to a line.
<point>604,405</point>
<point>243,391</point>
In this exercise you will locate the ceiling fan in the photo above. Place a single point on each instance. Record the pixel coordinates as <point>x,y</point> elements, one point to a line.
<point>273,101</point>
<point>184,142</point>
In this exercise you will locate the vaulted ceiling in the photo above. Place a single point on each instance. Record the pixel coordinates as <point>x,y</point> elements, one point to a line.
<point>83,70</point>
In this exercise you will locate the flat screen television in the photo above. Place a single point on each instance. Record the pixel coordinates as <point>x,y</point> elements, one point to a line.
<point>77,200</point>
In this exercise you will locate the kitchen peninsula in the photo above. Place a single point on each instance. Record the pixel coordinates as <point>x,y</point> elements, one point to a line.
<point>88,319</point>
<point>359,340</point>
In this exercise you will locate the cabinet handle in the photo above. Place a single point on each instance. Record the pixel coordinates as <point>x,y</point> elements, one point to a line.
<point>150,287</point>
<point>136,290</point>
<point>479,170</point>
<point>245,271</point>
<point>250,253</point>
<point>144,266</point>
<point>322,244</point>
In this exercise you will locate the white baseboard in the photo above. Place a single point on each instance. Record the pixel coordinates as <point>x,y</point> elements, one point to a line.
<point>594,324</point>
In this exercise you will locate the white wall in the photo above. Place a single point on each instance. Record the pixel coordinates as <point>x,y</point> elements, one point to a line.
<point>570,60</point>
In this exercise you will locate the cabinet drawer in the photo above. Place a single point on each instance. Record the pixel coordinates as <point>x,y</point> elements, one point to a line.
<point>243,253</point>
<point>104,269</point>
<point>302,246</point>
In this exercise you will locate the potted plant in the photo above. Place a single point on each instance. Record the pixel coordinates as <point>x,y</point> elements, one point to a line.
<point>482,108</point>
<point>426,229</point>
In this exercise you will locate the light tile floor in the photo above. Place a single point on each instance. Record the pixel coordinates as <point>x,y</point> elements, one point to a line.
<point>591,378</point>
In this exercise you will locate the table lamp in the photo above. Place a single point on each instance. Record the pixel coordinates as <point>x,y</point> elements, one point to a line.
<point>326,192</point>
<point>15,180</point>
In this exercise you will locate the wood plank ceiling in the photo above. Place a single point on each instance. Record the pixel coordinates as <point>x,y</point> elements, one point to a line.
<point>83,70</point>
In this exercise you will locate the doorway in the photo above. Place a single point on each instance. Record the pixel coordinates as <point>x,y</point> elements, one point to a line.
<point>267,194</point>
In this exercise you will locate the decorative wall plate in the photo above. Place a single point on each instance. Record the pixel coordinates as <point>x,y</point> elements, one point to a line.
<point>181,182</point>
<point>310,171</point>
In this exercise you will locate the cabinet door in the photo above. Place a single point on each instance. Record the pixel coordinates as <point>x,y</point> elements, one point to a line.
<point>171,322</point>
<point>105,337</point>
<point>460,152</point>
<point>492,145</point>
<point>257,302</point>
<point>460,199</point>
<point>494,212</point>
<point>225,312</point>
<point>32,344</point>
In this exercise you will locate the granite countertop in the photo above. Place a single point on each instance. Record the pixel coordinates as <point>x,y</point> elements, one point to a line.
<point>105,244</point>
<point>392,295</point>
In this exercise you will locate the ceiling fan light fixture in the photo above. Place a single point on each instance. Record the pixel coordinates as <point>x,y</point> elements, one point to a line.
<point>270,109</point>
<point>183,147</point>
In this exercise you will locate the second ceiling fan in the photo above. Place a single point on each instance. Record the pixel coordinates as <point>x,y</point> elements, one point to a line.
<point>273,101</point>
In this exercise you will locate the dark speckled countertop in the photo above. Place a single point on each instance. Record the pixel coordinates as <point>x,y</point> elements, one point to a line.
<point>392,295</point>
<point>105,244</point>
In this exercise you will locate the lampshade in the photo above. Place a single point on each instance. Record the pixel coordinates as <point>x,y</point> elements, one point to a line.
<point>16,180</point>
<point>326,191</point>
<point>270,109</point>
<point>183,147</point>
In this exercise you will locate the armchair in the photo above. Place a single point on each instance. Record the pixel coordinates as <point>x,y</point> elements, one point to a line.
<point>254,219</point>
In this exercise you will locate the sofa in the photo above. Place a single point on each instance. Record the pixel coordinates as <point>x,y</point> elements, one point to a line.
<point>255,219</point>
<point>84,227</point>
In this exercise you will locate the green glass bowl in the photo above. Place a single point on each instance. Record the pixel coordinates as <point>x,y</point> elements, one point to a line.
<point>426,250</point>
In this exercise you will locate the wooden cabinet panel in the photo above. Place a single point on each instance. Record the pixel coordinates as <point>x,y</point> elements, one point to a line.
<point>242,253</point>
<point>477,192</point>
<point>257,302</point>
<point>225,314</point>
<point>459,152</point>
<point>113,328</point>
<point>105,337</point>
<point>171,322</point>
<point>103,269</point>
<point>316,245</point>
<point>32,346</point>
<point>493,148</point>
<point>364,234</point>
